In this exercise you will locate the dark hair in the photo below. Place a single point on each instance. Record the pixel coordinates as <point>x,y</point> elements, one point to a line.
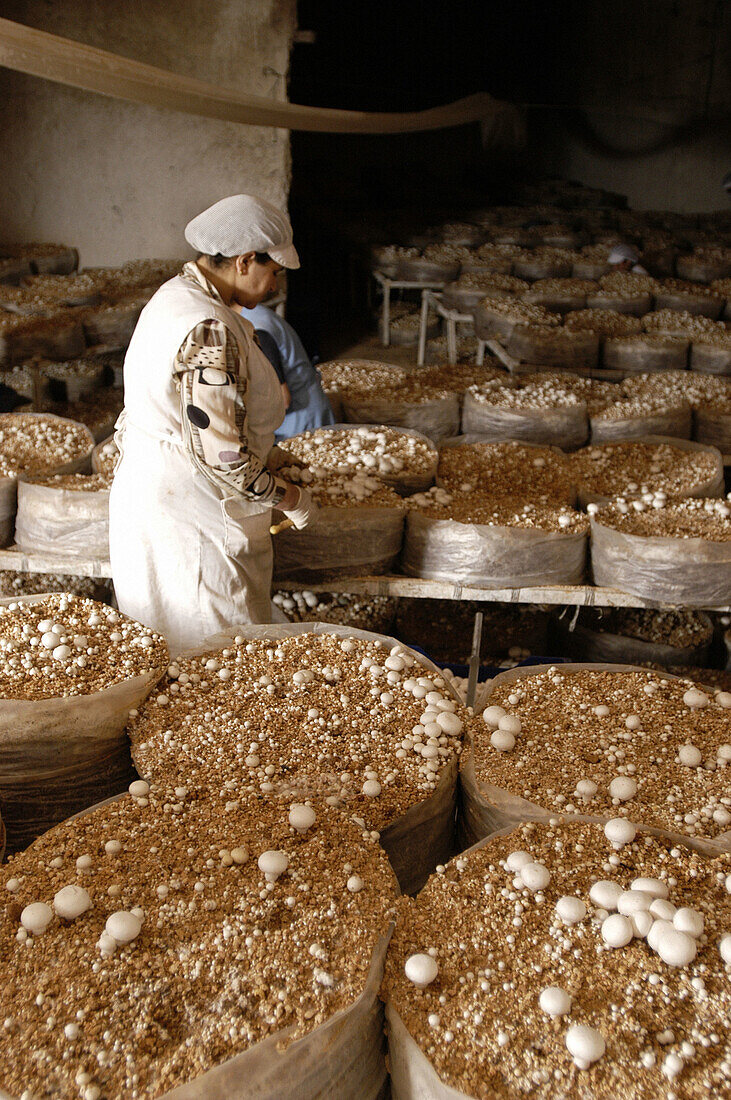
<point>219,260</point>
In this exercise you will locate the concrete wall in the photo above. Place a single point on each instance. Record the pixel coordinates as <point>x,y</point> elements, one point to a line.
<point>658,75</point>
<point>119,180</point>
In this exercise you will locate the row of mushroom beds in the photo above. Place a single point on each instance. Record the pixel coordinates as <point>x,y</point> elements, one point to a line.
<point>232,925</point>
<point>545,240</point>
<point>647,516</point>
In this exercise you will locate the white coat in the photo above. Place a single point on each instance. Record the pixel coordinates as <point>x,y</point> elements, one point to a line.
<point>187,560</point>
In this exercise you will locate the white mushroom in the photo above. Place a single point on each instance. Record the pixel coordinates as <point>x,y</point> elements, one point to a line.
<point>36,917</point>
<point>421,970</point>
<point>301,817</point>
<point>273,864</point>
<point>585,1044</point>
<point>123,926</point>
<point>555,1001</point>
<point>71,901</point>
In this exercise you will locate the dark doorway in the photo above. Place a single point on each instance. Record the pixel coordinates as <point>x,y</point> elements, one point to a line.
<point>398,56</point>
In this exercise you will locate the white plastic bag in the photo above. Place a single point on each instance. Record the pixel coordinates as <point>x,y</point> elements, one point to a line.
<point>57,749</point>
<point>343,542</point>
<point>645,352</point>
<point>344,1057</point>
<point>62,521</point>
<point>435,419</point>
<point>412,1075</point>
<point>684,572</point>
<point>491,557</point>
<point>713,427</point>
<point>566,427</point>
<point>675,421</point>
<point>9,485</point>
<point>602,646</point>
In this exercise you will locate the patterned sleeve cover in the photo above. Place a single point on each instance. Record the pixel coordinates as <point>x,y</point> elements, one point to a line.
<point>213,412</point>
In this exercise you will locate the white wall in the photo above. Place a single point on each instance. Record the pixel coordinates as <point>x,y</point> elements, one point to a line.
<point>120,180</point>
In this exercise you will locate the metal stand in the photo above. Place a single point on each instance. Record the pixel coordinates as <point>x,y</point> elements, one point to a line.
<point>452,317</point>
<point>387,285</point>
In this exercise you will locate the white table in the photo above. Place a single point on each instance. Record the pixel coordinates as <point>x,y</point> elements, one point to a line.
<point>430,299</point>
<point>387,284</point>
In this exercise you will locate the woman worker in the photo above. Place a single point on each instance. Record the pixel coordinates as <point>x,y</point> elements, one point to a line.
<point>190,505</point>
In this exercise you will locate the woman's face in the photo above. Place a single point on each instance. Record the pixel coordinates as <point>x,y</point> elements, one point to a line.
<point>254,282</point>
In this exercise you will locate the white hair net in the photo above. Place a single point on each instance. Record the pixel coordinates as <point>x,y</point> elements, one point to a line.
<point>243,223</point>
<point>622,252</point>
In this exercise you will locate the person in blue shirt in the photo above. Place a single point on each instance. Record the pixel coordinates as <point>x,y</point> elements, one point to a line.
<point>307,405</point>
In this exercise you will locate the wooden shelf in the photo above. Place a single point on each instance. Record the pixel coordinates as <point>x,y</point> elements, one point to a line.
<point>13,558</point>
<point>578,595</point>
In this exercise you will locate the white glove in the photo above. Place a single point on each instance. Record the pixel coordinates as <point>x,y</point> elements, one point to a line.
<point>304,511</point>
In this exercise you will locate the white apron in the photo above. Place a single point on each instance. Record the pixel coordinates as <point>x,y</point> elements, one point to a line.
<point>186,559</point>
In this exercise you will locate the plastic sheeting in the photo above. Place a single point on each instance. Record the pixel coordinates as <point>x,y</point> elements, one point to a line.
<point>113,324</point>
<point>426,271</point>
<point>638,355</point>
<point>713,427</point>
<point>412,1075</point>
<point>703,305</point>
<point>34,805</point>
<point>62,521</point>
<point>491,557</point>
<point>485,809</point>
<point>559,347</point>
<point>422,837</point>
<point>435,419</point>
<point>635,304</point>
<point>710,358</point>
<point>9,485</point>
<point>602,646</point>
<point>676,421</point>
<point>343,542</point>
<point>566,427</point>
<point>8,508</point>
<point>684,572</point>
<point>60,339</point>
<point>61,59</point>
<point>533,268</point>
<point>711,487</point>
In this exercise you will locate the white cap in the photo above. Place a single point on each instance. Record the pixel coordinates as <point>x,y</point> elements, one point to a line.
<point>243,223</point>
<point>622,252</point>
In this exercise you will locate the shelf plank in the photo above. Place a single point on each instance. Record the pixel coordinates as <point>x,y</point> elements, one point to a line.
<point>578,595</point>
<point>582,595</point>
<point>20,562</point>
